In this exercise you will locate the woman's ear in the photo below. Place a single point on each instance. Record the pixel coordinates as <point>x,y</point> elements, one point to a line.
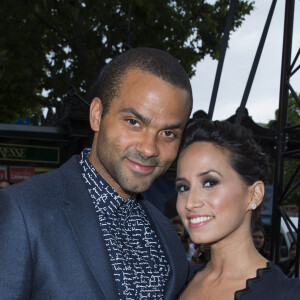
<point>96,109</point>
<point>257,194</point>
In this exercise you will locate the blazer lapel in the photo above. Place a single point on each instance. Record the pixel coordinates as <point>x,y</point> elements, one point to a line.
<point>82,219</point>
<point>173,251</point>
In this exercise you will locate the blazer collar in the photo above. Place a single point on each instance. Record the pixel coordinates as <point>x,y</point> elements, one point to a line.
<point>84,225</point>
<point>174,253</point>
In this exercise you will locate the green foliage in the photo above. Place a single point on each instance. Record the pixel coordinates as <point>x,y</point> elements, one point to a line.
<point>49,45</point>
<point>293,111</point>
<point>290,166</point>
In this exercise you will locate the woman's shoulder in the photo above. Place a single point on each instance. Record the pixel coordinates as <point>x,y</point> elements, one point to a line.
<point>270,283</point>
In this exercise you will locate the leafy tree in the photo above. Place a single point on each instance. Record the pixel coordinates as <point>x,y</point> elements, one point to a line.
<point>290,166</point>
<point>293,111</point>
<point>49,45</point>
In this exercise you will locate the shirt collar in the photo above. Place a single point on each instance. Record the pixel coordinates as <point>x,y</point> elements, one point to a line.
<point>104,195</point>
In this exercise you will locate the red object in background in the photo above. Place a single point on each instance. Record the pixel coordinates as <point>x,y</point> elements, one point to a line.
<point>18,174</point>
<point>2,174</point>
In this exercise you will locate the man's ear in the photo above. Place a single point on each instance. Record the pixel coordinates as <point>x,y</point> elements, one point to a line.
<point>96,109</point>
<point>257,194</point>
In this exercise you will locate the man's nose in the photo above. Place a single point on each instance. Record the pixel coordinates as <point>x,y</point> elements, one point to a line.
<point>148,144</point>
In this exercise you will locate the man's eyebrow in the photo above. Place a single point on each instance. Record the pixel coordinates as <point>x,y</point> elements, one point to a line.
<point>147,121</point>
<point>134,112</point>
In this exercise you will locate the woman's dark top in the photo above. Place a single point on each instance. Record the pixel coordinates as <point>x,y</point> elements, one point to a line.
<point>269,284</point>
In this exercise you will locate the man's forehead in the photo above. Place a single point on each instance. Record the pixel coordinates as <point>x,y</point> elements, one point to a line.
<point>135,72</point>
<point>149,96</point>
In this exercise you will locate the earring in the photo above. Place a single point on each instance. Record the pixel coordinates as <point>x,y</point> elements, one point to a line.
<point>253,206</point>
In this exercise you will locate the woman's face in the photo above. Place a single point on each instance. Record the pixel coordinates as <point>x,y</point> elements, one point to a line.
<point>258,239</point>
<point>293,251</point>
<point>213,201</point>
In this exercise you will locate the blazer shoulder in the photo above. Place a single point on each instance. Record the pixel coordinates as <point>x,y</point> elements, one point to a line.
<point>43,186</point>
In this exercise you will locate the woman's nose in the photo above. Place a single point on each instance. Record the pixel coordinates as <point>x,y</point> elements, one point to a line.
<point>194,200</point>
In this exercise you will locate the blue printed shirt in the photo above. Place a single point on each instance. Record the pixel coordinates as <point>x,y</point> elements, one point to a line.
<point>138,261</point>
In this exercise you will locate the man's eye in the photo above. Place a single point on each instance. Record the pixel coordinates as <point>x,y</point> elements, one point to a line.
<point>210,182</point>
<point>133,122</point>
<point>181,188</point>
<point>168,133</point>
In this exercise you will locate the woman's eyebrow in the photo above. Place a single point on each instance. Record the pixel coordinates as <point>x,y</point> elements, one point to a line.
<point>209,171</point>
<point>179,179</point>
<point>200,174</point>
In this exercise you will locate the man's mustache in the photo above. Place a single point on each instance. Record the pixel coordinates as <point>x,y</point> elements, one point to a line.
<point>141,159</point>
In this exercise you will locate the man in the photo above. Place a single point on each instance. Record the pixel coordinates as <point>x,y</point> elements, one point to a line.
<point>4,184</point>
<point>83,231</point>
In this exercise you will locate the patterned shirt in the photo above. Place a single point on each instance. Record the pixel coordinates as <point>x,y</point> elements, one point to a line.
<point>138,262</point>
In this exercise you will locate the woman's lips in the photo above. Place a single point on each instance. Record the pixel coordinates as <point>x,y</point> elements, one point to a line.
<point>198,221</point>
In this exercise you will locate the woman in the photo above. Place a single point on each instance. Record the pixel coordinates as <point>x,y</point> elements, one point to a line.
<point>220,176</point>
<point>259,240</point>
<point>288,266</point>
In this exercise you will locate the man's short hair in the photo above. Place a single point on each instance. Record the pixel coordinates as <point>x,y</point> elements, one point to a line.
<point>151,60</point>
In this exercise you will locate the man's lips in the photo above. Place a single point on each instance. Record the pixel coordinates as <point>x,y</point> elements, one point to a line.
<point>140,168</point>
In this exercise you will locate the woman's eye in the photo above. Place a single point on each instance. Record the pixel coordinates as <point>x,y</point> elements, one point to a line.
<point>181,188</point>
<point>210,182</point>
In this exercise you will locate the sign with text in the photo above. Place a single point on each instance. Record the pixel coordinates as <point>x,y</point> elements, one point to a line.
<point>3,175</point>
<point>29,153</point>
<point>18,174</point>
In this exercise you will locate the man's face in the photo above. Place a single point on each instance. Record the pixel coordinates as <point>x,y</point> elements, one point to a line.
<point>4,184</point>
<point>138,138</point>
